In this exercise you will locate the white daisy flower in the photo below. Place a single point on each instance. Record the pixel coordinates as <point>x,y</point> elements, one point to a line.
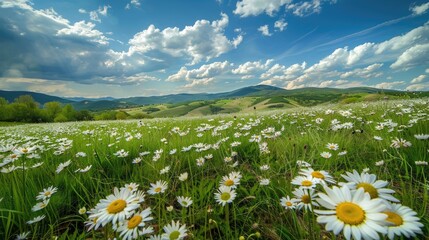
<point>305,182</point>
<point>225,195</point>
<point>183,176</point>
<point>184,201</point>
<point>320,176</point>
<point>158,187</point>
<point>40,205</point>
<point>46,193</point>
<point>115,207</point>
<point>135,226</point>
<point>403,221</point>
<point>288,203</point>
<point>174,231</point>
<point>354,213</point>
<point>306,198</point>
<point>36,219</point>
<point>370,184</point>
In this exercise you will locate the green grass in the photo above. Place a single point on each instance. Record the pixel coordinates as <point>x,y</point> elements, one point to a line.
<point>290,135</point>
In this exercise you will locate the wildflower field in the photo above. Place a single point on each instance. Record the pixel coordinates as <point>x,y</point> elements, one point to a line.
<point>334,172</point>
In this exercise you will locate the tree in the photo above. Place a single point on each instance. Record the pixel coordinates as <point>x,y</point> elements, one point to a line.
<point>52,109</point>
<point>27,100</point>
<point>69,112</point>
<point>121,115</point>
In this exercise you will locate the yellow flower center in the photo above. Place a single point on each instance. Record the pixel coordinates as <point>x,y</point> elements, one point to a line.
<point>394,218</point>
<point>307,183</point>
<point>318,174</point>
<point>174,235</point>
<point>305,199</point>
<point>157,190</point>
<point>229,182</point>
<point>116,206</point>
<point>134,221</point>
<point>47,193</point>
<point>13,156</point>
<point>350,213</point>
<point>369,189</point>
<point>24,150</point>
<point>288,204</point>
<point>225,196</point>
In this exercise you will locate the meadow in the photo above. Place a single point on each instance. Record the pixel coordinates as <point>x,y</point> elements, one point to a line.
<point>333,172</point>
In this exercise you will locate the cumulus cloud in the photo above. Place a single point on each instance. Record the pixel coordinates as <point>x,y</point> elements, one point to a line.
<point>418,87</point>
<point>85,30</point>
<point>203,41</point>
<point>366,73</point>
<point>280,25</point>
<point>249,68</point>
<point>419,79</point>
<point>389,85</point>
<point>246,8</point>
<point>201,74</point>
<point>264,30</point>
<point>420,9</point>
<point>414,56</point>
<point>93,15</point>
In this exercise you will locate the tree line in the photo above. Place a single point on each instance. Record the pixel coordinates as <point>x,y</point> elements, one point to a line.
<point>26,109</point>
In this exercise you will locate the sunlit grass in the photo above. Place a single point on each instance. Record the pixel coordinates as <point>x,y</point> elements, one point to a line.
<point>224,142</point>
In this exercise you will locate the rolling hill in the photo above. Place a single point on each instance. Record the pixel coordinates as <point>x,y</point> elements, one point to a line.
<point>243,99</point>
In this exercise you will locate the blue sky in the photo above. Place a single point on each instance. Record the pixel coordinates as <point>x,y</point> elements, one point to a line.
<point>124,48</point>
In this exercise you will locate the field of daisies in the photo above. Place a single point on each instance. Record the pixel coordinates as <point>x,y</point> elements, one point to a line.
<point>333,172</point>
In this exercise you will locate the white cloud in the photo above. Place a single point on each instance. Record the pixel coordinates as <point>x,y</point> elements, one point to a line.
<point>85,30</point>
<point>414,56</point>
<point>203,41</point>
<point>208,71</point>
<point>389,85</point>
<point>306,8</point>
<point>280,25</point>
<point>264,30</point>
<point>418,87</point>
<point>366,73</point>
<point>250,68</point>
<point>246,8</point>
<point>199,82</point>
<point>418,79</point>
<point>420,9</point>
<point>336,83</point>
<point>81,10</point>
<point>135,3</point>
<point>103,10</point>
<point>93,15</point>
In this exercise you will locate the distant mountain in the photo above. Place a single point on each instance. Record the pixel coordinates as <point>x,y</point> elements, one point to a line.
<point>304,96</point>
<point>80,99</point>
<point>41,98</point>
<point>258,90</point>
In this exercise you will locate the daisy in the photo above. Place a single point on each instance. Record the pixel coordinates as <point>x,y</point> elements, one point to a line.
<point>132,186</point>
<point>422,136</point>
<point>164,170</point>
<point>63,165</point>
<point>158,187</point>
<point>135,226</point>
<point>40,205</point>
<point>288,203</point>
<point>306,198</point>
<point>370,184</point>
<point>23,235</point>
<point>82,210</point>
<point>305,182</point>
<point>184,201</point>
<point>332,146</point>
<point>200,161</point>
<point>183,176</point>
<point>264,181</point>
<point>326,155</point>
<point>403,221</point>
<point>398,143</point>
<point>36,219</point>
<point>116,207</point>
<point>225,195</point>
<point>46,193</point>
<point>354,213</point>
<point>174,231</point>
<point>230,181</point>
<point>321,176</point>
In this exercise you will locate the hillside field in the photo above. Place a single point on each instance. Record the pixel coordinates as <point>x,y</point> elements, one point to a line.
<point>333,171</point>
